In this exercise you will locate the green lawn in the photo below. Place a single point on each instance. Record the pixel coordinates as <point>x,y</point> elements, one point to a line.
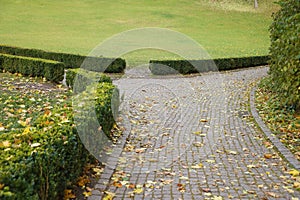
<point>223,29</point>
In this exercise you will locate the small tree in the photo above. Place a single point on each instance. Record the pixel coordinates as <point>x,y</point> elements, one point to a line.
<point>285,53</point>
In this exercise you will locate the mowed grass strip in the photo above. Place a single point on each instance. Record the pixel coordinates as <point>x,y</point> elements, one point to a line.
<point>224,28</point>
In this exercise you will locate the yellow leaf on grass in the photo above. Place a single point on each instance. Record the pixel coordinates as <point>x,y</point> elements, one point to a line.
<point>22,123</point>
<point>294,172</point>
<point>26,130</point>
<point>5,143</point>
<point>37,144</point>
<point>2,128</point>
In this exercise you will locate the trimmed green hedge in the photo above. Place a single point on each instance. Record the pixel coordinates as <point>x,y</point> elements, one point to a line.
<point>195,66</point>
<point>51,70</point>
<point>41,161</point>
<point>105,98</point>
<point>84,78</point>
<point>113,65</point>
<point>285,53</point>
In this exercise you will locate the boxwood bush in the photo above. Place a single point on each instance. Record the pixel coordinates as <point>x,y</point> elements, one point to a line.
<point>285,53</point>
<point>84,78</point>
<point>41,161</point>
<point>51,70</point>
<point>101,64</point>
<point>105,98</point>
<point>163,67</point>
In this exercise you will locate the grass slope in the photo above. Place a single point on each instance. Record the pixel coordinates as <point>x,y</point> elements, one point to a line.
<point>225,28</point>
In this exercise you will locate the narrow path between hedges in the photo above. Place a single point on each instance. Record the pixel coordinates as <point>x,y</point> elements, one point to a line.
<point>192,138</point>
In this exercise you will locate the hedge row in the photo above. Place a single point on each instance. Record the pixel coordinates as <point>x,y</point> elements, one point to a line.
<point>84,78</point>
<point>103,97</point>
<point>285,53</point>
<point>100,64</point>
<point>51,70</point>
<point>41,161</point>
<point>195,66</point>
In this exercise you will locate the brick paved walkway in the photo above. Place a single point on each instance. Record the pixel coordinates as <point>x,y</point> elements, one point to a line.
<point>192,138</point>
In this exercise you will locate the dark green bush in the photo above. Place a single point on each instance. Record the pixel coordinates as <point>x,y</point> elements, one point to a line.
<point>40,162</point>
<point>285,53</point>
<point>84,78</point>
<point>195,66</point>
<point>51,70</point>
<point>100,64</point>
<point>105,98</point>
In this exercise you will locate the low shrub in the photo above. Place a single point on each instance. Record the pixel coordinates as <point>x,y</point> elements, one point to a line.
<point>100,64</point>
<point>84,78</point>
<point>51,70</point>
<point>163,67</point>
<point>104,98</point>
<point>39,162</point>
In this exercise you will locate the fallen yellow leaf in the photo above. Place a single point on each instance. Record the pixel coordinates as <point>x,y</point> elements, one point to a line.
<point>268,155</point>
<point>6,143</point>
<point>199,166</point>
<point>82,181</point>
<point>297,185</point>
<point>87,194</point>
<point>272,194</point>
<point>68,194</point>
<point>294,172</point>
<point>26,131</point>
<point>109,195</point>
<point>22,123</point>
<point>138,190</point>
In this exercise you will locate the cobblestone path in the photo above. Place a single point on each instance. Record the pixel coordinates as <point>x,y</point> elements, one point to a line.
<point>192,138</point>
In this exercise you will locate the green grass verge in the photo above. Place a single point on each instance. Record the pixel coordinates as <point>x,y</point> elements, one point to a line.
<point>224,28</point>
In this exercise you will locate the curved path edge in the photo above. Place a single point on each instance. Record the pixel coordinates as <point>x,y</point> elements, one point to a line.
<point>285,152</point>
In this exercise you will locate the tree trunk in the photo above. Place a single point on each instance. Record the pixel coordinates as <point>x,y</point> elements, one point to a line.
<point>255,4</point>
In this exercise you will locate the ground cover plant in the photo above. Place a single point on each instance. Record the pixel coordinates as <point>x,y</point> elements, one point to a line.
<point>227,28</point>
<point>283,122</point>
<point>23,99</point>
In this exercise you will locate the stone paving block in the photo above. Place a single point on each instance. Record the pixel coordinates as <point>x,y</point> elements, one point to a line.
<point>182,122</point>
